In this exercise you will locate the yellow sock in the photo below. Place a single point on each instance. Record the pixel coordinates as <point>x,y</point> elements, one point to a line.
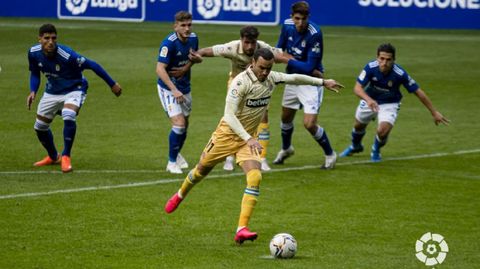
<point>192,178</point>
<point>250,196</point>
<point>263,137</point>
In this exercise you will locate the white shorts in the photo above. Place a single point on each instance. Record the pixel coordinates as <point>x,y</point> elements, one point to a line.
<point>386,113</point>
<point>170,104</point>
<point>50,104</point>
<point>306,96</point>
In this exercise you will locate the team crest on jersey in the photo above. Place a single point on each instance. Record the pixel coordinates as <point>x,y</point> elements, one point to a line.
<point>390,83</point>
<point>57,67</point>
<point>164,52</point>
<point>304,43</point>
<point>258,102</point>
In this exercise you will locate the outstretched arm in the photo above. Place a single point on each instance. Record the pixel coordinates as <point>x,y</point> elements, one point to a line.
<point>437,116</point>
<point>299,79</point>
<point>98,69</point>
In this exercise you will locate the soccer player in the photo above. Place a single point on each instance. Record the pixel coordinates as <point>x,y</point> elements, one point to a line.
<point>240,53</point>
<point>246,102</point>
<point>378,87</point>
<point>65,91</point>
<point>174,91</point>
<point>301,40</point>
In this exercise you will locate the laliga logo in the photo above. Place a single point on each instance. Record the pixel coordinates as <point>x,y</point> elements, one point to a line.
<point>77,6</point>
<point>210,8</point>
<point>431,249</point>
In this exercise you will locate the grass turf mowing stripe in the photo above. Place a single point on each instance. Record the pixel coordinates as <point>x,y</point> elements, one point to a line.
<point>166,181</point>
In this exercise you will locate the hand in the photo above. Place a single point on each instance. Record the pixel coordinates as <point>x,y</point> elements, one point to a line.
<point>439,118</point>
<point>30,99</point>
<point>117,89</point>
<point>178,72</point>
<point>255,147</point>
<point>373,105</point>
<point>195,57</point>
<point>178,96</point>
<point>332,85</point>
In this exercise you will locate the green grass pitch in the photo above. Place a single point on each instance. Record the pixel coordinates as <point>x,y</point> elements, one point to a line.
<point>109,213</point>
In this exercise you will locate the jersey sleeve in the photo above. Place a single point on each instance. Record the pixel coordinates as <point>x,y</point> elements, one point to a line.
<point>226,50</point>
<point>282,39</point>
<point>316,46</point>
<point>165,52</point>
<point>314,56</point>
<point>235,95</point>
<point>409,83</point>
<point>295,79</point>
<point>262,44</point>
<point>364,76</point>
<point>33,64</point>
<point>81,63</point>
<point>195,43</point>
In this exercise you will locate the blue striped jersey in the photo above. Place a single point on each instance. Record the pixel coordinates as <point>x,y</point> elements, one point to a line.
<point>174,53</point>
<point>385,88</point>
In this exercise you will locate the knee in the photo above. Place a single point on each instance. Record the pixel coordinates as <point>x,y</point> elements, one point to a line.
<point>254,177</point>
<point>41,125</point>
<point>69,114</point>
<point>311,126</point>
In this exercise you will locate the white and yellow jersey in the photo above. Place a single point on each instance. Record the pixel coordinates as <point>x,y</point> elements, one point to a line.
<point>233,50</point>
<point>248,98</point>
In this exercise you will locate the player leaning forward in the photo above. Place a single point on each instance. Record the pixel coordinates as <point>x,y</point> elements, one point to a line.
<point>65,91</point>
<point>247,99</point>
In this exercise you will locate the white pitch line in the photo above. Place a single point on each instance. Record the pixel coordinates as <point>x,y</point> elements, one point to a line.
<point>171,180</point>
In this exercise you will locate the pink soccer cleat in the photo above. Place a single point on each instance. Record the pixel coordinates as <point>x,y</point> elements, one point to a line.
<point>173,203</point>
<point>245,234</point>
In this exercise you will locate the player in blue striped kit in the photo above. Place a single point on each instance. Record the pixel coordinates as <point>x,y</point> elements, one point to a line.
<point>174,89</point>
<point>65,91</point>
<point>378,85</point>
<point>302,43</point>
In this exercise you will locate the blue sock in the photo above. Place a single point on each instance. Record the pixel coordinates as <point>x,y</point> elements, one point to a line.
<point>377,144</point>
<point>357,138</point>
<point>46,138</point>
<point>182,139</point>
<point>176,139</point>
<point>322,139</point>
<point>69,130</point>
<point>287,132</point>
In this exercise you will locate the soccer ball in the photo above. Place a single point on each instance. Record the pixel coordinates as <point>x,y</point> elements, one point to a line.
<point>283,246</point>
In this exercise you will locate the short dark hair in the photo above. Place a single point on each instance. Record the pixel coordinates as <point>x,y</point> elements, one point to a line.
<point>386,47</point>
<point>249,32</point>
<point>264,53</point>
<point>301,7</point>
<point>183,15</point>
<point>47,28</point>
